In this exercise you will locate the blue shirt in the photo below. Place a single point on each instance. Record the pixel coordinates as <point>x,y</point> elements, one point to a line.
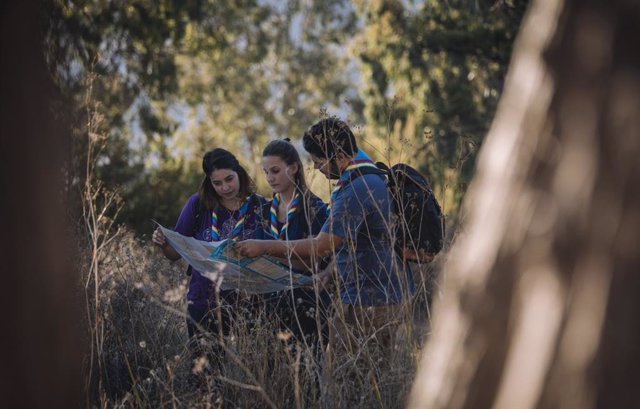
<point>368,266</point>
<point>305,222</point>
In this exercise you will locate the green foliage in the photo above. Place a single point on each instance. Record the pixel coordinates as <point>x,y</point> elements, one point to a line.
<point>175,79</point>
<point>432,75</point>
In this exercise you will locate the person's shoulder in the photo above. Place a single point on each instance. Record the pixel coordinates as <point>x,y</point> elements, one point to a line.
<point>258,199</point>
<point>259,203</point>
<point>265,204</point>
<point>194,198</point>
<point>314,200</point>
<point>267,201</point>
<point>191,212</point>
<point>369,181</point>
<point>193,202</point>
<point>314,204</point>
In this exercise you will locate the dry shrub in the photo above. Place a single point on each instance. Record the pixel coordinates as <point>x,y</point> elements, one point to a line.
<point>144,360</point>
<point>142,332</point>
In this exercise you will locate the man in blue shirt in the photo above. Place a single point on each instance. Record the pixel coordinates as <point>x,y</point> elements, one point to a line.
<point>358,231</point>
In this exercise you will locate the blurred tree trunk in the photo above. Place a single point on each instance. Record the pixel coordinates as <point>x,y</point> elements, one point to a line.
<point>541,300</point>
<point>40,321</point>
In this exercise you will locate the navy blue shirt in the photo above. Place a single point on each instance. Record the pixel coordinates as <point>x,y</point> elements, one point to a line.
<point>369,268</point>
<point>305,222</point>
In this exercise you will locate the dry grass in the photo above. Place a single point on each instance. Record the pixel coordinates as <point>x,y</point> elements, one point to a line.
<point>141,357</point>
<point>137,337</point>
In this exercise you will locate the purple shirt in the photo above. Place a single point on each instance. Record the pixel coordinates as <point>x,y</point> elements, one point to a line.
<point>195,221</point>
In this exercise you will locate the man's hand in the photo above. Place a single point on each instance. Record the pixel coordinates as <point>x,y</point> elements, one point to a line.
<point>250,248</point>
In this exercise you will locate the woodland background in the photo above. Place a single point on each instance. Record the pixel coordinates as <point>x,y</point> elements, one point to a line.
<point>147,87</point>
<point>536,299</point>
<point>169,80</point>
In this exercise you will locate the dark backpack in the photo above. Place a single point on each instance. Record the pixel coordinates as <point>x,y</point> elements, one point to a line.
<point>419,227</point>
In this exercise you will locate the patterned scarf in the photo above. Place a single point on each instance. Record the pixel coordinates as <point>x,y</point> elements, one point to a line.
<point>291,210</point>
<point>237,229</point>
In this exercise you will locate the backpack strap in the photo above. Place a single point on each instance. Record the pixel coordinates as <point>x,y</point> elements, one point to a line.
<point>367,170</point>
<point>406,172</point>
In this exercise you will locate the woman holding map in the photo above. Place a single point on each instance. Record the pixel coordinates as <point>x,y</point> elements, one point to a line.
<point>294,213</point>
<point>225,207</point>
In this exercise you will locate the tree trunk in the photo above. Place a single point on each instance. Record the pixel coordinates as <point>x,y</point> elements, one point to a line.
<point>542,287</point>
<point>40,327</point>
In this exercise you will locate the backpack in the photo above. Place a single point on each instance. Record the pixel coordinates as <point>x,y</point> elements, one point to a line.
<point>418,224</point>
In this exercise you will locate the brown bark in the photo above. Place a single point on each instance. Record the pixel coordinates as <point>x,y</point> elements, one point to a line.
<point>541,300</point>
<point>39,324</point>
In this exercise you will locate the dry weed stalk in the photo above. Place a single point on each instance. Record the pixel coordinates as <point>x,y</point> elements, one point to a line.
<point>139,358</point>
<point>100,207</point>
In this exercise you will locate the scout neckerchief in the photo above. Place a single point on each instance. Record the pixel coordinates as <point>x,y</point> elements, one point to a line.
<point>346,175</point>
<point>215,234</point>
<point>361,155</point>
<point>292,208</point>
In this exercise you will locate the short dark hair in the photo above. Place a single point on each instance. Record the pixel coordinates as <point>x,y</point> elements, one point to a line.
<point>285,150</point>
<point>219,158</point>
<point>328,137</point>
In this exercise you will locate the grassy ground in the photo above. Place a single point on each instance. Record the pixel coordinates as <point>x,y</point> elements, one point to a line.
<point>139,356</point>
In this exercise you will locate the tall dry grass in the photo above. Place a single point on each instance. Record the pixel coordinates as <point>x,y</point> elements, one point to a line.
<point>139,356</point>
<point>136,331</point>
<point>142,359</point>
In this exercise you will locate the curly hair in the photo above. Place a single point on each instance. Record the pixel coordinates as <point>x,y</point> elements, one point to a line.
<point>329,137</point>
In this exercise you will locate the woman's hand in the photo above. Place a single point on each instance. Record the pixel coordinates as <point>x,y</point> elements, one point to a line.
<point>159,239</point>
<point>250,248</point>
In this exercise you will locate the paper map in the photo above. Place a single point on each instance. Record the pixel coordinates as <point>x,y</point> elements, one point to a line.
<point>220,263</point>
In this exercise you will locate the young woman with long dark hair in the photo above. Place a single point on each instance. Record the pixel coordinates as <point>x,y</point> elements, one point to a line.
<point>294,212</point>
<point>225,207</point>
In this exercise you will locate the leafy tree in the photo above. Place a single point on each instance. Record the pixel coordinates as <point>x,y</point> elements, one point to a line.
<point>174,79</point>
<point>432,73</point>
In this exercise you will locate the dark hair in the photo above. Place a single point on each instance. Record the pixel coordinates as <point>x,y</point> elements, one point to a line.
<point>222,159</point>
<point>285,150</point>
<point>328,137</point>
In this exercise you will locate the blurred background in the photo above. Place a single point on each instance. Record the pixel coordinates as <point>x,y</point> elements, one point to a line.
<point>165,81</point>
<point>108,106</point>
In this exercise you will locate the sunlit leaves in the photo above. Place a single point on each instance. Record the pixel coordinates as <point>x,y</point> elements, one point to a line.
<point>434,68</point>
